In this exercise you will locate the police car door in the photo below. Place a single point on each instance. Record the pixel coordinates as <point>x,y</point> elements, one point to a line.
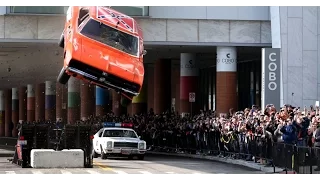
<point>97,137</point>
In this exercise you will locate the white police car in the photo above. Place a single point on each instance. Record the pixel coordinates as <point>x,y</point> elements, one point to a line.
<point>118,139</point>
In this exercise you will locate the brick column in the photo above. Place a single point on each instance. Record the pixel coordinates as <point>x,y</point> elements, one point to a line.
<point>150,85</point>
<point>162,90</point>
<point>40,102</point>
<point>15,111</point>
<point>116,107</point>
<point>61,102</point>
<point>23,103</point>
<point>50,101</point>
<point>8,112</point>
<point>139,103</point>
<point>102,101</point>
<point>2,122</point>
<point>31,103</point>
<point>87,100</point>
<point>73,100</point>
<point>189,73</point>
<point>226,85</point>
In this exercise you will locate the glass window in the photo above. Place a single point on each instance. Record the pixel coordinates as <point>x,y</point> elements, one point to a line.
<point>119,133</point>
<point>38,9</point>
<point>128,10</point>
<point>111,37</point>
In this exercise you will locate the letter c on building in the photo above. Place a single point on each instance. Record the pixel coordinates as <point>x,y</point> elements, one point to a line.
<point>270,56</point>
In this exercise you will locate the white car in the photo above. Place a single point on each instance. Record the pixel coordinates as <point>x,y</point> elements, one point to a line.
<point>118,141</point>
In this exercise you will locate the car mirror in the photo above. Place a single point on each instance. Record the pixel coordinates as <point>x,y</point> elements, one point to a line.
<point>144,52</point>
<point>139,137</point>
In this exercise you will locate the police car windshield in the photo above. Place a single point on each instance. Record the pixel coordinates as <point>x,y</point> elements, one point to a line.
<point>111,37</point>
<point>119,133</point>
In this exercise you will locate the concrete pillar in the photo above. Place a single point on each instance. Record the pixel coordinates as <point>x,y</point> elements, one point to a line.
<point>31,103</point>
<point>139,103</point>
<point>8,113</point>
<point>226,84</point>
<point>50,101</point>
<point>150,82</point>
<point>162,86</point>
<point>2,122</point>
<point>116,107</point>
<point>40,102</point>
<point>73,100</point>
<point>102,101</point>
<point>61,102</point>
<point>23,103</point>
<point>87,100</point>
<point>15,111</point>
<point>189,72</point>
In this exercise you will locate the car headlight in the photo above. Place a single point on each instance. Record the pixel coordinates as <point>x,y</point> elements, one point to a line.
<point>109,144</point>
<point>142,145</point>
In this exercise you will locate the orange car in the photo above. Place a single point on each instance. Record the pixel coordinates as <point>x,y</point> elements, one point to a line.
<point>104,47</point>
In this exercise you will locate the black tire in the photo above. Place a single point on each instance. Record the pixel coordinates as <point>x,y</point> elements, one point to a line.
<point>130,157</point>
<point>94,154</point>
<point>141,157</point>
<point>61,41</point>
<point>63,77</point>
<point>103,155</point>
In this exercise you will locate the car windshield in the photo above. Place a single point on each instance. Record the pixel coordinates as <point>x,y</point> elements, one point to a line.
<point>111,37</point>
<point>119,133</point>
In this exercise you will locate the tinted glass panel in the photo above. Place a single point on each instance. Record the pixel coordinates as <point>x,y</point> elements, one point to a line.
<point>111,37</point>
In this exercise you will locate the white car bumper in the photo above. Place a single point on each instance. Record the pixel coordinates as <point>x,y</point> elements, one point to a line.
<point>125,151</point>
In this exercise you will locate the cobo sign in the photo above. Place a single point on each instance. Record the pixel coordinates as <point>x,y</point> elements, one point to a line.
<point>270,77</point>
<point>189,64</point>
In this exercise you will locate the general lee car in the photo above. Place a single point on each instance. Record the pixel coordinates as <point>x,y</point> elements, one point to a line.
<point>118,141</point>
<point>104,47</point>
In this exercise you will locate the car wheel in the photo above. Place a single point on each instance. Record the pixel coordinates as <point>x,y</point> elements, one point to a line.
<point>103,155</point>
<point>141,157</point>
<point>61,41</point>
<point>63,77</point>
<point>94,154</point>
<point>130,157</point>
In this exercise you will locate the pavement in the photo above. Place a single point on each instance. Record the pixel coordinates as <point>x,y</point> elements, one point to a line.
<point>152,164</point>
<point>248,164</point>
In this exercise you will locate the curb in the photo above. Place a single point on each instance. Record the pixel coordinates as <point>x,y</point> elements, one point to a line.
<point>248,164</point>
<point>6,154</point>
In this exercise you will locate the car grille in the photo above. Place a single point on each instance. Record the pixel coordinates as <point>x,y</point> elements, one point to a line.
<point>125,144</point>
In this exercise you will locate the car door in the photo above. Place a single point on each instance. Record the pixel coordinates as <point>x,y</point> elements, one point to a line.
<point>96,140</point>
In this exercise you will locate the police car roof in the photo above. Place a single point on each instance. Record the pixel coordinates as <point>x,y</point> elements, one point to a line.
<point>117,128</point>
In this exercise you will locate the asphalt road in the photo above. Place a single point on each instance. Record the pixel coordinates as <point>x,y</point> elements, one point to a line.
<point>152,164</point>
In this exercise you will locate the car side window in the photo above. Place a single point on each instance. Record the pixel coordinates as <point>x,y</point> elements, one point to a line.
<point>100,133</point>
<point>83,15</point>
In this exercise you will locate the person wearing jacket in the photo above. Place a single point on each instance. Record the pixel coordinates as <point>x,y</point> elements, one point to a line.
<point>288,133</point>
<point>317,145</point>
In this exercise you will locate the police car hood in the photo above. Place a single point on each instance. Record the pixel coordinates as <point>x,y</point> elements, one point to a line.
<point>124,139</point>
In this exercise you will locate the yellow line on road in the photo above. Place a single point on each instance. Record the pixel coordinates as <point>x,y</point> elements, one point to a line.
<point>102,166</point>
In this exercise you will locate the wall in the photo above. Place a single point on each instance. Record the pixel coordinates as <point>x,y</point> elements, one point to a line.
<point>211,12</point>
<point>156,31</point>
<point>300,54</point>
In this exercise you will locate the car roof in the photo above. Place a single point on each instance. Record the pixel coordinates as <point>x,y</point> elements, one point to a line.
<point>117,128</point>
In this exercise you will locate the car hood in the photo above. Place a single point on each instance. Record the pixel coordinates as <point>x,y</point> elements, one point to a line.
<point>124,139</point>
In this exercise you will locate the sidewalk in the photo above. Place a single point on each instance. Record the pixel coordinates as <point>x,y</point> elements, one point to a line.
<point>249,164</point>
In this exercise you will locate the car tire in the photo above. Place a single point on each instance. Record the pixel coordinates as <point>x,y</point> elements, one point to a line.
<point>141,157</point>
<point>63,77</point>
<point>103,155</point>
<point>130,157</point>
<point>61,41</point>
<point>94,154</point>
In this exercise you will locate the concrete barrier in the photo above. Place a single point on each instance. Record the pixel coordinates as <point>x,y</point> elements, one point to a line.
<point>48,158</point>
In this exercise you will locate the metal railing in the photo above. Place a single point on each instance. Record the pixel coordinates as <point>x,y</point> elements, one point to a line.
<point>257,148</point>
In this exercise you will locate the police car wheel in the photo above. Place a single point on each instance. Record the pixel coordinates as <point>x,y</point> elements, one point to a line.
<point>141,157</point>
<point>130,157</point>
<point>94,154</point>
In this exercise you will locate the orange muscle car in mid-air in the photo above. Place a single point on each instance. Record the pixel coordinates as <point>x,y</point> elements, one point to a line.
<point>104,47</point>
